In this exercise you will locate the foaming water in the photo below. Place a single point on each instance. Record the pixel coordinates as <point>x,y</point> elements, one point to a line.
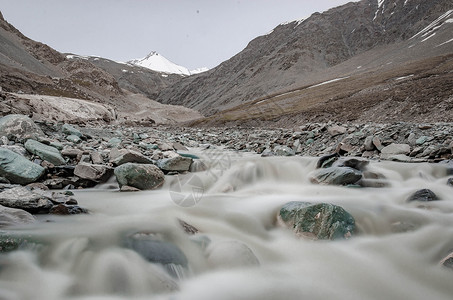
<point>240,252</point>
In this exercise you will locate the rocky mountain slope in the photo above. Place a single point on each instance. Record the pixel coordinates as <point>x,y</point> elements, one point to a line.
<point>29,68</point>
<point>356,39</point>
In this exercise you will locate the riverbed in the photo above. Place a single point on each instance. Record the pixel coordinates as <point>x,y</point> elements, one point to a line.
<point>233,246</point>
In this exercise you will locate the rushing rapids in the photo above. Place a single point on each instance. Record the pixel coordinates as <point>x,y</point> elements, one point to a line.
<point>213,234</point>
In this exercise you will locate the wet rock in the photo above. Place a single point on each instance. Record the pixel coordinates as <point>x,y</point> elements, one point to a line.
<point>96,173</point>
<point>13,216</point>
<point>122,156</point>
<point>11,242</point>
<point>157,251</point>
<point>189,229</point>
<point>268,153</point>
<point>317,221</point>
<point>4,180</point>
<point>355,163</point>
<point>141,176</point>
<point>336,176</point>
<point>327,160</point>
<point>450,182</point>
<point>178,164</point>
<point>179,147</point>
<point>71,130</point>
<point>19,127</point>
<point>447,261</point>
<point>423,195</point>
<point>284,151</point>
<point>65,209</point>
<point>18,169</point>
<point>231,254</point>
<point>22,198</point>
<point>45,152</point>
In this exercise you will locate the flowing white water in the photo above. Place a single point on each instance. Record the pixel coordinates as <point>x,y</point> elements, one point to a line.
<point>240,252</point>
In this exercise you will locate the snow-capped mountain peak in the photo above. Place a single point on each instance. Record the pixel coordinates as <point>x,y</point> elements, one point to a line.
<point>157,62</point>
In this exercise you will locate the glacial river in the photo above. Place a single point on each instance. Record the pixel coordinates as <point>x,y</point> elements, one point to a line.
<point>239,251</point>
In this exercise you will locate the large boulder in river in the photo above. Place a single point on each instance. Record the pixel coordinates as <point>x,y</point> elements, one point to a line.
<point>122,156</point>
<point>19,127</point>
<point>18,169</point>
<point>317,221</point>
<point>45,152</point>
<point>336,176</point>
<point>140,176</point>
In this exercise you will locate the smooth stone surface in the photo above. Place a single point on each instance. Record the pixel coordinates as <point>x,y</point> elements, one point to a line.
<point>231,254</point>
<point>423,195</point>
<point>178,163</point>
<point>18,169</point>
<point>141,176</point>
<point>336,176</point>
<point>45,152</point>
<point>93,172</point>
<point>13,216</point>
<point>396,149</point>
<point>73,139</point>
<point>317,221</point>
<point>123,156</point>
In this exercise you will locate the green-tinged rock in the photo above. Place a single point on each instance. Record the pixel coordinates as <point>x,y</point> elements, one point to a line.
<point>114,142</point>
<point>284,151</point>
<point>189,155</point>
<point>336,176</point>
<point>73,139</point>
<point>318,221</point>
<point>18,169</point>
<point>141,176</point>
<point>178,163</point>
<point>71,130</point>
<point>423,195</point>
<point>45,152</point>
<point>19,127</point>
<point>11,242</point>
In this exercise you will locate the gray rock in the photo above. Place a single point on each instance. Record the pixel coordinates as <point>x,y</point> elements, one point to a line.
<point>421,140</point>
<point>114,142</point>
<point>141,176</point>
<point>317,221</point>
<point>65,209</point>
<point>447,261</point>
<point>122,156</point>
<point>393,149</point>
<point>19,127</point>
<point>96,173</point>
<point>73,139</point>
<point>336,130</point>
<point>423,195</point>
<point>377,143</point>
<point>368,143</point>
<point>71,130</point>
<point>179,147</point>
<point>71,152</point>
<point>45,152</point>
<point>179,164</point>
<point>18,169</point>
<point>336,176</point>
<point>13,216</point>
<point>450,181</point>
<point>22,198</point>
<point>284,151</point>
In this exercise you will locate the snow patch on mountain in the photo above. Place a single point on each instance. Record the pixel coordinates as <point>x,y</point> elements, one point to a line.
<point>156,62</point>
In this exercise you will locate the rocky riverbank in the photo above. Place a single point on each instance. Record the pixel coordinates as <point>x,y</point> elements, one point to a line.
<point>36,158</point>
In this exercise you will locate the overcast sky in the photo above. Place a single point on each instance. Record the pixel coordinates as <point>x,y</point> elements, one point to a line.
<point>191,33</point>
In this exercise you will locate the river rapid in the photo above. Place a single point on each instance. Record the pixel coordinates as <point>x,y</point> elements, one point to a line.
<point>240,252</point>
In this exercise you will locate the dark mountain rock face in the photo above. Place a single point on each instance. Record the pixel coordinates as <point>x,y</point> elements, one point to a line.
<point>293,51</point>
